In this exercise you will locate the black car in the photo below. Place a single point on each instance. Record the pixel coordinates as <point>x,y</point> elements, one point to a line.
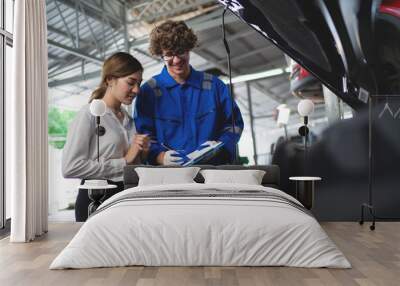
<point>353,48</point>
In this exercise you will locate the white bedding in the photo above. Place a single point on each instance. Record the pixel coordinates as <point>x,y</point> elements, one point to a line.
<point>200,231</point>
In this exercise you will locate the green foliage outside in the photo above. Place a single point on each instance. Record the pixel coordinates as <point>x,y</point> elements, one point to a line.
<point>58,126</point>
<point>243,160</point>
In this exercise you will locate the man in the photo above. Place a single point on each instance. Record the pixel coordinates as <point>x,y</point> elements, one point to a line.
<point>181,108</point>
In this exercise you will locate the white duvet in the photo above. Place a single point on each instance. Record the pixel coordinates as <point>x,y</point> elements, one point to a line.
<point>200,231</point>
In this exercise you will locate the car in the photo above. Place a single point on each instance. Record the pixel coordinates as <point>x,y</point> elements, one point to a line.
<point>353,48</point>
<point>304,85</point>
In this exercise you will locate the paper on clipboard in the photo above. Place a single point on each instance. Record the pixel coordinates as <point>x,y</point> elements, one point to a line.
<point>204,153</point>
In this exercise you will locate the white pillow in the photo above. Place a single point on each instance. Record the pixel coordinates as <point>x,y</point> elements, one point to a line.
<point>166,176</point>
<point>248,177</point>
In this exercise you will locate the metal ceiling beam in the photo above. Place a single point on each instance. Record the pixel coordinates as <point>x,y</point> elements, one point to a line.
<point>94,12</point>
<point>56,58</point>
<point>60,13</point>
<point>160,14</point>
<point>144,10</point>
<point>268,92</point>
<point>92,75</point>
<point>275,64</point>
<point>87,49</point>
<point>263,116</point>
<point>139,42</point>
<point>207,16</point>
<point>248,54</point>
<point>237,72</point>
<point>85,52</point>
<point>75,52</point>
<point>126,33</point>
<point>283,83</point>
<point>112,9</point>
<point>140,3</point>
<point>88,76</point>
<point>65,34</point>
<point>255,83</point>
<point>90,28</point>
<point>69,60</point>
<point>73,79</point>
<point>319,111</point>
<point>73,64</point>
<point>144,53</point>
<point>77,25</point>
<point>217,40</point>
<point>196,28</point>
<point>272,64</point>
<point>251,117</point>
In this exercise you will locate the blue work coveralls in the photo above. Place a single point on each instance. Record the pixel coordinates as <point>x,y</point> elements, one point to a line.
<point>183,116</point>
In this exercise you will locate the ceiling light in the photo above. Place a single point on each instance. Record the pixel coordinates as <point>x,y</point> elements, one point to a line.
<point>255,76</point>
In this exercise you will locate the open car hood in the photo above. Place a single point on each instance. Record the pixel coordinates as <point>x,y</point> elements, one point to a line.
<point>340,42</point>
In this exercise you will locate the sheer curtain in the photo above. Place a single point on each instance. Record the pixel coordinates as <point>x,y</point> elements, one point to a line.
<point>27,123</point>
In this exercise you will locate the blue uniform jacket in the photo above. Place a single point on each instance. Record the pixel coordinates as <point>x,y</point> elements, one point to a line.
<point>183,116</point>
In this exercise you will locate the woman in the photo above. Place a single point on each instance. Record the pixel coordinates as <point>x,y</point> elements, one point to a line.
<point>120,145</point>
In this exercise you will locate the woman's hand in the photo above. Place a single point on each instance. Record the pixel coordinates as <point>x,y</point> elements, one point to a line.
<point>140,143</point>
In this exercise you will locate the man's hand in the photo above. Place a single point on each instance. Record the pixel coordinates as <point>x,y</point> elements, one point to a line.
<point>207,144</point>
<point>171,157</point>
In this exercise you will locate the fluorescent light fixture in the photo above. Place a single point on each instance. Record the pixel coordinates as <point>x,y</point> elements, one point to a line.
<point>255,76</point>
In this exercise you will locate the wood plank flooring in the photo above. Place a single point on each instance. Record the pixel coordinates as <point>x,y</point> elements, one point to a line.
<point>375,257</point>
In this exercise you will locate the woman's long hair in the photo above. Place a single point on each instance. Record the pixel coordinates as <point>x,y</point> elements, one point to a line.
<point>118,65</point>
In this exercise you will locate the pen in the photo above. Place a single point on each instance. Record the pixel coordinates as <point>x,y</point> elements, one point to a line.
<point>167,147</point>
<point>180,152</point>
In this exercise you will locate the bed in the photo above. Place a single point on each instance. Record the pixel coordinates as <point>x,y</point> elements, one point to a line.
<point>197,224</point>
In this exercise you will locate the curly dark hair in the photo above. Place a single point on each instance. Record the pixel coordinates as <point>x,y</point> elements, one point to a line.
<point>173,36</point>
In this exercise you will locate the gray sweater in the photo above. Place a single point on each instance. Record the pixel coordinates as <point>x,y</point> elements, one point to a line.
<point>79,158</point>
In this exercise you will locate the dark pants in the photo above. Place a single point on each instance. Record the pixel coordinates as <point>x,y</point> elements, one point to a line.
<point>83,201</point>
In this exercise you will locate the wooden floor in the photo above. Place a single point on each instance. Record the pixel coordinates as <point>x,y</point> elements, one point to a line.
<point>375,257</point>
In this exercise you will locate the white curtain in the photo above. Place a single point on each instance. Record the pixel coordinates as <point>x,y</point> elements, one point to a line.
<point>28,123</point>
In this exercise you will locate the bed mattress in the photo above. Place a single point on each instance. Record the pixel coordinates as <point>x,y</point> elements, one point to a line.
<point>201,225</point>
